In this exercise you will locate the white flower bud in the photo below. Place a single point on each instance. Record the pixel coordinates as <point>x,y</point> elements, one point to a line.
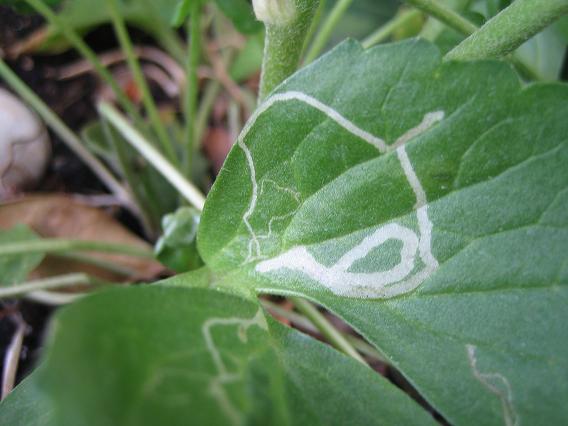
<point>275,12</point>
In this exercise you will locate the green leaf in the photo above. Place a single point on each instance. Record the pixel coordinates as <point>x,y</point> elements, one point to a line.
<point>426,203</point>
<point>15,269</point>
<point>241,14</point>
<point>177,248</point>
<point>178,356</point>
<point>26,405</point>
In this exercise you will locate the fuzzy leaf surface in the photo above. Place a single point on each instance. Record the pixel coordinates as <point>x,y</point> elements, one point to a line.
<point>424,202</point>
<point>178,356</point>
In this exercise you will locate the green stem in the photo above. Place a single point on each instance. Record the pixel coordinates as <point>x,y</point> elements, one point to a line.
<point>432,28</point>
<point>210,93</point>
<point>192,87</point>
<point>322,37</point>
<point>458,23</point>
<point>76,41</point>
<point>445,14</point>
<point>56,245</point>
<point>60,281</point>
<point>65,134</point>
<point>115,268</point>
<point>154,157</point>
<point>148,217</point>
<point>335,338</point>
<point>303,322</point>
<point>509,29</point>
<point>140,80</point>
<point>284,41</point>
<point>390,27</point>
<point>315,24</point>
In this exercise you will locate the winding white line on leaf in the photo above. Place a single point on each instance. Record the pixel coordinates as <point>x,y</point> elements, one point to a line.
<point>337,278</point>
<point>491,381</point>
<point>224,377</point>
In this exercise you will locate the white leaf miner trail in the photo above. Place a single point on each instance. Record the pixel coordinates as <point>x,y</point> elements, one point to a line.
<point>497,384</point>
<point>224,377</point>
<point>399,279</point>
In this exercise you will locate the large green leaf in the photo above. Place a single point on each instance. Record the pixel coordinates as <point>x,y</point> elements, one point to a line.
<point>177,356</point>
<point>15,268</point>
<point>424,202</point>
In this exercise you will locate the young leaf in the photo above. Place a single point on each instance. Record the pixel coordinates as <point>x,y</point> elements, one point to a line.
<point>424,202</point>
<point>178,356</point>
<point>177,248</point>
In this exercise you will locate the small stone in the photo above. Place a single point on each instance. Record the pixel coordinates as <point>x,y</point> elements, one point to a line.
<point>24,146</point>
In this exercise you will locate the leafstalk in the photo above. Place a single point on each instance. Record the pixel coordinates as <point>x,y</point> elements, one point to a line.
<point>453,20</point>
<point>509,29</point>
<point>152,155</point>
<point>445,14</point>
<point>335,338</point>
<point>287,23</point>
<point>140,80</point>
<point>329,24</point>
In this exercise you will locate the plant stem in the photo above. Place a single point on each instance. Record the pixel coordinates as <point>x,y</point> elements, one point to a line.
<point>56,245</point>
<point>284,42</point>
<point>66,134</point>
<point>391,26</point>
<point>154,157</point>
<point>323,35</point>
<point>303,322</point>
<point>82,47</point>
<point>140,80</point>
<point>315,24</point>
<point>50,283</point>
<point>210,93</point>
<point>509,29</point>
<point>146,214</point>
<point>115,268</point>
<point>192,85</point>
<point>446,15</point>
<point>334,337</point>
